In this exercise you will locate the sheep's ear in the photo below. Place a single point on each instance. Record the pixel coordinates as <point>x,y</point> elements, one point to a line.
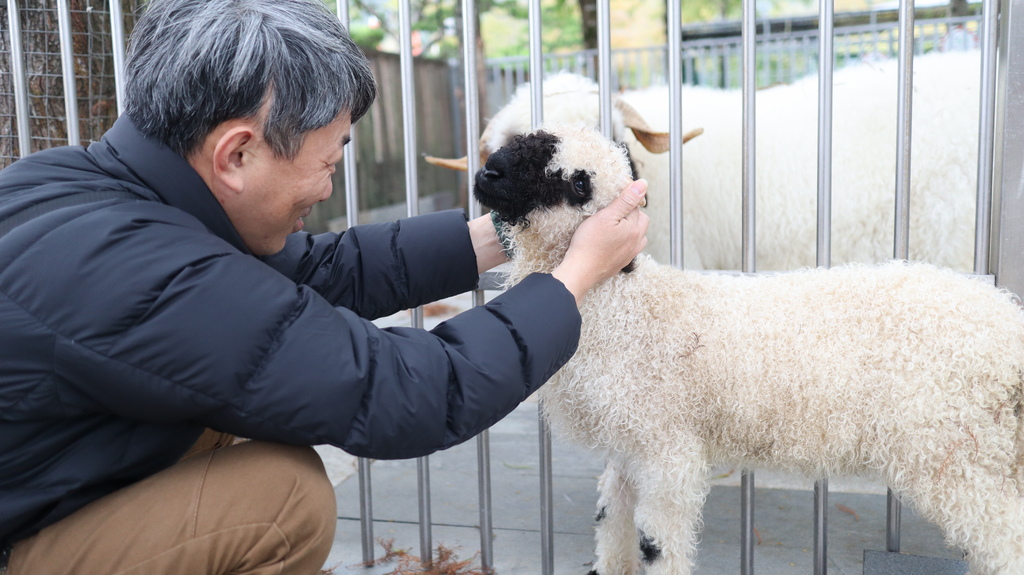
<point>461,164</point>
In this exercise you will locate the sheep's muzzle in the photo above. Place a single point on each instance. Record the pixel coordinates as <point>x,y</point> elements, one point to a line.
<point>519,178</point>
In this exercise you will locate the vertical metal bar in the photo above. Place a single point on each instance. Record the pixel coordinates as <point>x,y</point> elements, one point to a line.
<point>67,60</point>
<point>1008,225</point>
<point>352,219</point>
<point>893,512</point>
<point>901,231</point>
<point>675,138</point>
<point>365,509</point>
<point>749,39</point>
<point>483,463</point>
<point>604,65</point>
<point>747,523</point>
<point>749,80</point>
<point>18,79</point>
<point>117,47</point>
<point>423,496</point>
<point>826,63</point>
<point>986,136</point>
<point>825,68</point>
<point>412,205</point>
<point>471,89</point>
<point>536,65</point>
<point>547,519</point>
<point>901,240</point>
<point>821,527</point>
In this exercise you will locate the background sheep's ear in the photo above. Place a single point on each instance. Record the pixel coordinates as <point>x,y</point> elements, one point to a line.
<point>461,164</point>
<point>657,142</point>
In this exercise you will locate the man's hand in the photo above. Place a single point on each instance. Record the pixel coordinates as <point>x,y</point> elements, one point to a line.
<point>606,242</point>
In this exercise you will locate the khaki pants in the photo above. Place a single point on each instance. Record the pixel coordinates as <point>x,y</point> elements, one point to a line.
<point>254,508</point>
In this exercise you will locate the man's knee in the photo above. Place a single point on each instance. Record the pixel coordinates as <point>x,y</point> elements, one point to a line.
<point>297,470</point>
<point>288,486</point>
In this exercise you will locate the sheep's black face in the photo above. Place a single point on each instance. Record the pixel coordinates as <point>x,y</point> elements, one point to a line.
<point>516,179</point>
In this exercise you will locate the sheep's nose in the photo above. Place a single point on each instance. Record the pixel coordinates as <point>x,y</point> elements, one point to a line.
<point>491,173</point>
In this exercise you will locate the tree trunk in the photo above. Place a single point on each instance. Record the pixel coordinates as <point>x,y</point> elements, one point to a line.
<point>959,8</point>
<point>588,13</point>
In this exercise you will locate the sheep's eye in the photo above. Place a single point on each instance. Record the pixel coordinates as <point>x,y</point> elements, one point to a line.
<point>581,186</point>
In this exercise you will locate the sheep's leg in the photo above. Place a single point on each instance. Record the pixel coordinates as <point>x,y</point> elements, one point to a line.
<point>986,521</point>
<point>974,496</point>
<point>616,532</point>
<point>670,494</point>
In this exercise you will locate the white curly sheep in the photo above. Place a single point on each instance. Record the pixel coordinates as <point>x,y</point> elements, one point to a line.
<point>906,372</point>
<point>943,166</point>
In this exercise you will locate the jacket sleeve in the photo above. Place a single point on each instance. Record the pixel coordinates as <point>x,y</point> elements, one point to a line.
<point>378,269</point>
<point>204,333</point>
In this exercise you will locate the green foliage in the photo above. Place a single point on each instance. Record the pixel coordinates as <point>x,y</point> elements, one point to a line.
<point>505,27</point>
<point>365,36</point>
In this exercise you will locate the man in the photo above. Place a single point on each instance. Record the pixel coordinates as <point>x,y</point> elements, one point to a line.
<point>157,283</point>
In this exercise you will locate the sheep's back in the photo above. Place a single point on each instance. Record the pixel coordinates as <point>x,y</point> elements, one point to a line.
<point>774,369</point>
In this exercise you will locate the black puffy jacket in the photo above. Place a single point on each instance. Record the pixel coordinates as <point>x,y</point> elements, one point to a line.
<point>129,323</point>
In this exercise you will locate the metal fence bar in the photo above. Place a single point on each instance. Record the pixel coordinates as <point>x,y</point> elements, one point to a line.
<point>901,237</point>
<point>1009,167</point>
<point>675,121</point>
<point>986,136</point>
<point>412,205</point>
<point>749,258</point>
<point>749,135</point>
<point>67,60</point>
<point>352,219</point>
<point>19,80</point>
<point>604,66</point>
<point>826,65</point>
<point>471,90</point>
<point>117,41</point>
<point>547,519</point>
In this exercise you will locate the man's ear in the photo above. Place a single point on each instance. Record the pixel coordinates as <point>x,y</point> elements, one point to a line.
<point>233,155</point>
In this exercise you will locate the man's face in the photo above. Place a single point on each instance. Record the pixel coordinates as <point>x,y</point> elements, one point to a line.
<point>280,192</point>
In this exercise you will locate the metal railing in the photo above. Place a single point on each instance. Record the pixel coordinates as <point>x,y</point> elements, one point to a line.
<point>718,61</point>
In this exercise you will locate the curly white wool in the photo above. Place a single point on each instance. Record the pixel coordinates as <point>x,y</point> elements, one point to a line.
<point>907,372</point>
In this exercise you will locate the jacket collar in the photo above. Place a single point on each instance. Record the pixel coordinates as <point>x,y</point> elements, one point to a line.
<point>171,177</point>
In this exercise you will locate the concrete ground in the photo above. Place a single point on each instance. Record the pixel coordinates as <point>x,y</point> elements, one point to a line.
<point>783,511</point>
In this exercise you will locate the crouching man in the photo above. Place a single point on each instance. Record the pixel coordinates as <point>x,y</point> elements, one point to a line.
<point>158,283</point>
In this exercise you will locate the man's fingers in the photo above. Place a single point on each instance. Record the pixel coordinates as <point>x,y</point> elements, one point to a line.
<point>632,197</point>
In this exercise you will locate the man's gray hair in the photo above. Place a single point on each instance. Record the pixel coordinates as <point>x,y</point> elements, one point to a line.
<point>193,64</point>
